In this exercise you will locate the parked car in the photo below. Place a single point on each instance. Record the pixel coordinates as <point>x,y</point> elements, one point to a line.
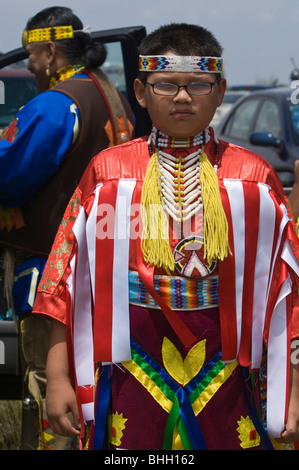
<point>229,100</point>
<point>19,87</point>
<point>266,122</point>
<point>252,87</point>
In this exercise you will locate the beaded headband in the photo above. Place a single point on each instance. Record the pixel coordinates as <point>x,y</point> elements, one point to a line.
<point>55,33</point>
<point>175,63</point>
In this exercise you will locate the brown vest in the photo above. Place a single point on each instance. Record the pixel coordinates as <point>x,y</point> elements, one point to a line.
<point>98,103</point>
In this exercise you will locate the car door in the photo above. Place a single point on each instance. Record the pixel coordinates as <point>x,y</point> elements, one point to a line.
<point>17,84</point>
<point>259,116</point>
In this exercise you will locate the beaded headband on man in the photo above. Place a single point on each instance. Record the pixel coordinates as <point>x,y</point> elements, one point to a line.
<point>55,33</point>
<point>179,63</point>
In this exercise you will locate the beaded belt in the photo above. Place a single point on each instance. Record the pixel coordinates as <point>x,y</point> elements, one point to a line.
<point>178,292</point>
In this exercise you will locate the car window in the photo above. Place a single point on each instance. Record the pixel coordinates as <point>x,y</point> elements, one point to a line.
<point>294,114</point>
<point>268,119</point>
<point>114,66</point>
<point>240,122</point>
<point>231,97</point>
<point>19,87</point>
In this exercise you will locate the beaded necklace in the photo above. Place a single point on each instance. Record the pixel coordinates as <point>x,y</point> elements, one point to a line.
<point>182,185</point>
<point>162,140</point>
<point>65,73</point>
<point>179,176</point>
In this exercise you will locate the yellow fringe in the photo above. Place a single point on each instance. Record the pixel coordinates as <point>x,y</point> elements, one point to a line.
<point>216,244</point>
<point>155,231</point>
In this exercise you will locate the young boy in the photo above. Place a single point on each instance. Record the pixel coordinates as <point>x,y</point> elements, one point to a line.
<point>177,272</point>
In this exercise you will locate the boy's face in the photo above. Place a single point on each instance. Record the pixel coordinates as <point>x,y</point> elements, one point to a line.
<point>181,115</point>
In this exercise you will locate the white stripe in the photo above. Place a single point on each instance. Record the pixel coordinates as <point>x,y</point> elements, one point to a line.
<point>264,270</point>
<point>283,223</point>
<point>277,364</point>
<point>71,289</point>
<point>267,216</point>
<point>277,348</point>
<point>88,411</point>
<point>277,344</point>
<point>83,337</point>
<point>91,236</point>
<point>76,127</point>
<point>236,199</point>
<point>289,257</point>
<point>121,349</point>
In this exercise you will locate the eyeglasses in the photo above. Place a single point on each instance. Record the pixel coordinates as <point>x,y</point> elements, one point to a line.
<point>172,89</point>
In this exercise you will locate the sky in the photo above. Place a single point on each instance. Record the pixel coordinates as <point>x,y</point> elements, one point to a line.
<point>259,37</point>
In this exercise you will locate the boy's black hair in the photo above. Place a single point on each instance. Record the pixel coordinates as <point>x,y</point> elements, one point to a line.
<point>80,49</point>
<point>181,39</point>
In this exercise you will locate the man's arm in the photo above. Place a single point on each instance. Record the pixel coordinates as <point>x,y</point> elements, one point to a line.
<point>44,132</point>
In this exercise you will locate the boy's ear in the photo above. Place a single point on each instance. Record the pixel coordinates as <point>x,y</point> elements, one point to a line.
<point>139,89</point>
<point>221,91</point>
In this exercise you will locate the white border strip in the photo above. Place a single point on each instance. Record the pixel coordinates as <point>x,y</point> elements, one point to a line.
<point>121,348</point>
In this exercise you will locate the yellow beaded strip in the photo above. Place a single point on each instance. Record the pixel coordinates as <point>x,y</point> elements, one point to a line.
<point>65,73</point>
<point>55,33</point>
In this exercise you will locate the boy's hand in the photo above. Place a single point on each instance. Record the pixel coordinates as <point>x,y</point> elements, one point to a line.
<point>60,396</point>
<point>60,400</point>
<point>290,433</point>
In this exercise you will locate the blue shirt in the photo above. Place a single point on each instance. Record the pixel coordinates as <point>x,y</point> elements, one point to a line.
<point>46,127</point>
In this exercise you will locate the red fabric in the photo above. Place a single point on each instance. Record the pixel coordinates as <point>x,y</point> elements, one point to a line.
<point>251,198</point>
<point>130,160</point>
<point>86,394</point>
<point>146,274</point>
<point>227,291</point>
<point>279,276</point>
<point>103,283</point>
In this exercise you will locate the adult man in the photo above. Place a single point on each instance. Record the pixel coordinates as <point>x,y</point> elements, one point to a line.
<point>43,155</point>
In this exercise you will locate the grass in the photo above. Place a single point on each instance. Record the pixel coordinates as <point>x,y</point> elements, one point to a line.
<point>10,424</point>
